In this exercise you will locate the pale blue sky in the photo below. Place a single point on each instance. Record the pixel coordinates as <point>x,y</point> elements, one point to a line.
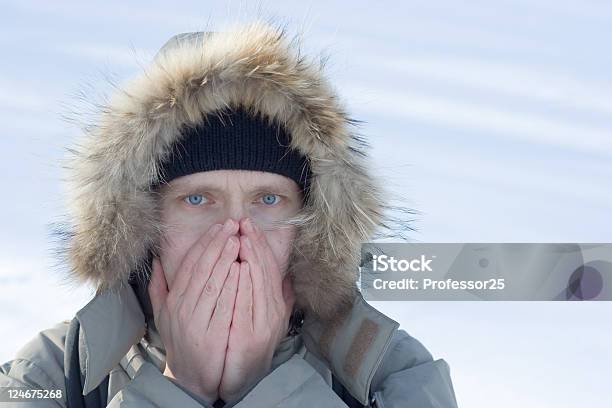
<point>493,119</point>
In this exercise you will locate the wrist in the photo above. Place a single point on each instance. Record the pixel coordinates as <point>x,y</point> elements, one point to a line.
<point>250,383</point>
<point>192,388</point>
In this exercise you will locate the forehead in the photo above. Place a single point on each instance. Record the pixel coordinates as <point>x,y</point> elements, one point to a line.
<point>229,180</point>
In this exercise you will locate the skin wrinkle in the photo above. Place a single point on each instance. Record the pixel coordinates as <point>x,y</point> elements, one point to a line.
<point>239,193</point>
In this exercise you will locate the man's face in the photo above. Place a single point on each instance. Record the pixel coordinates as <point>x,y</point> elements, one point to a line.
<point>191,204</point>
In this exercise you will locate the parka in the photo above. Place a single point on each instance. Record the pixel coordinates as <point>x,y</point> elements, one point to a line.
<point>344,353</point>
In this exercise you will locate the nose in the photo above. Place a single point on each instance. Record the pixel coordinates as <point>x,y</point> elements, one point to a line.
<point>235,208</point>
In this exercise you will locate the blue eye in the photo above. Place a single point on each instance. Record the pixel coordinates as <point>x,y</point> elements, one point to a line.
<point>270,199</point>
<point>194,199</point>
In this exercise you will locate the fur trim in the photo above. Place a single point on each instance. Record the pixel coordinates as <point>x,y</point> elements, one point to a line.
<point>114,215</point>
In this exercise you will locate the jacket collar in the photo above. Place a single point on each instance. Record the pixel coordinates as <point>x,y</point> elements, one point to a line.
<point>352,345</point>
<point>110,324</point>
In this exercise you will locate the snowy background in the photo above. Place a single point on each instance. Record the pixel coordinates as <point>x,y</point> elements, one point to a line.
<point>492,118</point>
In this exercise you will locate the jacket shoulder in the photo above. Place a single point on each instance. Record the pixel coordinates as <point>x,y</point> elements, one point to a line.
<point>409,376</point>
<point>404,351</point>
<point>40,362</point>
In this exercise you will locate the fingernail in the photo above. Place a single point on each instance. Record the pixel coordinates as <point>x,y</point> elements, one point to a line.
<point>215,228</point>
<point>229,225</point>
<point>247,242</point>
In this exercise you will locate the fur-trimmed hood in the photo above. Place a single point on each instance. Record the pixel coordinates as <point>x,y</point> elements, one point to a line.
<point>114,216</point>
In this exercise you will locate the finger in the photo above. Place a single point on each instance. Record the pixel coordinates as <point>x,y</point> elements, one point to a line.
<point>260,296</point>
<point>243,310</point>
<point>249,253</point>
<point>185,269</point>
<point>253,254</point>
<point>204,302</point>
<point>224,306</point>
<point>208,259</point>
<point>158,289</point>
<point>272,273</point>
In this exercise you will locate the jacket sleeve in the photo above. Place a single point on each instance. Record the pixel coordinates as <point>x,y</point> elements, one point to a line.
<point>39,365</point>
<point>409,377</point>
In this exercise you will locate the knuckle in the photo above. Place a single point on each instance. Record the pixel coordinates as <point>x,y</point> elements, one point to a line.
<point>218,244</point>
<point>221,306</point>
<point>229,246</point>
<point>202,244</point>
<point>204,267</point>
<point>211,287</point>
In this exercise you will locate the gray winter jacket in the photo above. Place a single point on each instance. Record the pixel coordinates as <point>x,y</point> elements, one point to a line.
<point>372,359</point>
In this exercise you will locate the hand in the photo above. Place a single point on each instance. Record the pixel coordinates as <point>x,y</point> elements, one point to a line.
<point>264,303</point>
<point>193,317</point>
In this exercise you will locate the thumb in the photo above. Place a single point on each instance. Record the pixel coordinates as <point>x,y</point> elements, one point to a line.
<point>158,287</point>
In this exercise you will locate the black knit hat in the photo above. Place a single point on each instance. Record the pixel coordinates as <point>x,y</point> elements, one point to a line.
<point>236,139</point>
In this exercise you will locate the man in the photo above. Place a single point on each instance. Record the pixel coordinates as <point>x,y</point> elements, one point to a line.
<point>219,205</point>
